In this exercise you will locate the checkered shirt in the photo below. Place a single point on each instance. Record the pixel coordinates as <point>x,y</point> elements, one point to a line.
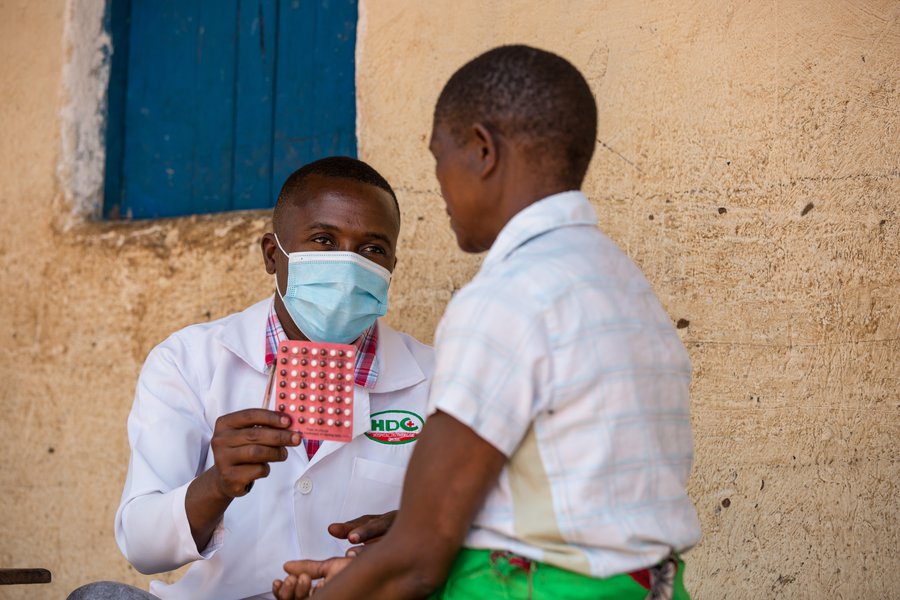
<point>559,354</point>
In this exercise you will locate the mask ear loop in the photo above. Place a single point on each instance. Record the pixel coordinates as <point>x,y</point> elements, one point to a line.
<point>278,289</point>
<point>280,247</point>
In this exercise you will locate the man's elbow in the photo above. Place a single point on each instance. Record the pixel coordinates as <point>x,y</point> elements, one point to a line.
<point>420,582</point>
<point>425,572</point>
<point>146,557</point>
<point>147,568</point>
<point>144,562</point>
<point>149,539</point>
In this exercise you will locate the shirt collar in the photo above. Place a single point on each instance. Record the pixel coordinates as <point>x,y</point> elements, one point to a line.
<point>553,212</point>
<point>366,370</point>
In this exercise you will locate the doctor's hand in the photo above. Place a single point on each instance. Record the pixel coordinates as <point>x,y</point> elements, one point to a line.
<point>243,445</point>
<point>366,529</point>
<point>301,573</point>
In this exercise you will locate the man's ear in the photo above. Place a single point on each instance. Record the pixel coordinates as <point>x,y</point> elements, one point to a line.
<point>269,248</point>
<point>487,146</point>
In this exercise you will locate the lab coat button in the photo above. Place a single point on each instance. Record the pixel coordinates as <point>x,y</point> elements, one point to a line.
<point>304,485</point>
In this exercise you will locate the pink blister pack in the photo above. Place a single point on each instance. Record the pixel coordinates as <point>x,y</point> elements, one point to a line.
<point>314,386</point>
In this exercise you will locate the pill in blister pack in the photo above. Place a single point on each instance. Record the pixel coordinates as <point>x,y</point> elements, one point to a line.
<point>314,386</point>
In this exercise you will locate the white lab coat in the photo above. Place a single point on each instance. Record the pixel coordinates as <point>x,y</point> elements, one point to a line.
<point>212,369</point>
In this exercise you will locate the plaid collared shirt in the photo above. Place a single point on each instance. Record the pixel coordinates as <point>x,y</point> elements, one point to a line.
<point>365,371</point>
<point>559,355</point>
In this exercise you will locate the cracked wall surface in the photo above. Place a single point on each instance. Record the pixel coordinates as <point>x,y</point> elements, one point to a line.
<point>747,159</point>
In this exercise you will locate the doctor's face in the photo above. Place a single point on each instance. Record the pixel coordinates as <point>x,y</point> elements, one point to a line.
<point>333,213</point>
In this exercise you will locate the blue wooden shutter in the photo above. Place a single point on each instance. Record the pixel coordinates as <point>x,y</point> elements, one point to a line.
<point>213,103</point>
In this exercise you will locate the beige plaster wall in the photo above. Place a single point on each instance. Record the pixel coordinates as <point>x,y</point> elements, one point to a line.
<point>747,159</point>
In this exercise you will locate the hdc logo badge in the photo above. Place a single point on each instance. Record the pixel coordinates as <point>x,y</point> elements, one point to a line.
<point>395,427</point>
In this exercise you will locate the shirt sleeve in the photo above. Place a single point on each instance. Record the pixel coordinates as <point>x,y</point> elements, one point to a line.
<point>493,365</point>
<point>169,440</point>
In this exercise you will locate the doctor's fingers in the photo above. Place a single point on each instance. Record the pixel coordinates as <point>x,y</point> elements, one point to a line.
<point>293,587</point>
<point>371,529</point>
<point>317,569</point>
<point>354,551</point>
<point>249,454</point>
<point>253,417</point>
<point>263,436</point>
<point>237,480</point>
<point>364,529</point>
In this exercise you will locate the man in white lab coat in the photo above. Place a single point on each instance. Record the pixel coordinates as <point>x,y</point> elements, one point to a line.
<point>216,480</point>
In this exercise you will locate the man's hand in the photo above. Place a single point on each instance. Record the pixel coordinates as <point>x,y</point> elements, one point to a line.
<point>301,573</point>
<point>450,473</point>
<point>366,529</point>
<point>243,445</point>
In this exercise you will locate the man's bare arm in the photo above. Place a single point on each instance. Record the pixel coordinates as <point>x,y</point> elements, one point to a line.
<point>450,473</point>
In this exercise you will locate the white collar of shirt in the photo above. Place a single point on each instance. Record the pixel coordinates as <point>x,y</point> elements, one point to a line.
<point>553,212</point>
<point>398,367</point>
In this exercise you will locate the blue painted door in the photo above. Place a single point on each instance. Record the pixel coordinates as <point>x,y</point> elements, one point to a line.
<point>213,103</point>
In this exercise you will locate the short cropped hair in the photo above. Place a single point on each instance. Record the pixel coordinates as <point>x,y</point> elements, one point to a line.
<point>534,96</point>
<point>342,167</point>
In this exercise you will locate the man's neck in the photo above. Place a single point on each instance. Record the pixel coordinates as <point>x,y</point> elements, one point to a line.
<point>287,323</point>
<point>522,184</point>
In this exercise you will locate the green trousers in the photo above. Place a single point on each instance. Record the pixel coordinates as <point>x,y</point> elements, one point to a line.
<point>488,575</point>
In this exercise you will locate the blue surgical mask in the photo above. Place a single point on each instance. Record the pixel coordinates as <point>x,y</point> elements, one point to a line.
<point>333,296</point>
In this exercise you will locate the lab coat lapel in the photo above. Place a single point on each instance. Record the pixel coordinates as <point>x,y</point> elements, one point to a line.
<point>245,335</point>
<point>398,367</point>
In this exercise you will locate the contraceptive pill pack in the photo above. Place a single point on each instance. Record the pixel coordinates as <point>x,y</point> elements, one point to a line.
<point>314,386</point>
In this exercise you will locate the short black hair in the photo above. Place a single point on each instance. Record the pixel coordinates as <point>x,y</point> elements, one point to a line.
<point>343,167</point>
<point>534,96</point>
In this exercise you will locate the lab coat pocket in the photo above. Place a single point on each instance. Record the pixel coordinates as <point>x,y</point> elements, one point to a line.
<point>374,489</point>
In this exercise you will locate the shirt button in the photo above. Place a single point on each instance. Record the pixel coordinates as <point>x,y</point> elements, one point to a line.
<point>304,485</point>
